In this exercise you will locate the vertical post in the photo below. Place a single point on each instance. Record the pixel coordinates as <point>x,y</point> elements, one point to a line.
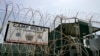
<point>34,50</point>
<point>78,47</point>
<point>61,35</point>
<point>54,38</point>
<point>42,50</point>
<point>76,16</point>
<point>79,52</point>
<point>90,27</point>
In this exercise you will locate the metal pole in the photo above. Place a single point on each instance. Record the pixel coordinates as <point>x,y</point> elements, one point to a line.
<point>79,42</point>
<point>54,38</point>
<point>61,36</point>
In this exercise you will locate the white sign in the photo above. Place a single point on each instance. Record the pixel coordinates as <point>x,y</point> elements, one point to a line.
<point>25,33</point>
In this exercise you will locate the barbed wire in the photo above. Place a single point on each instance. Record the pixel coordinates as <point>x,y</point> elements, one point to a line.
<point>13,12</point>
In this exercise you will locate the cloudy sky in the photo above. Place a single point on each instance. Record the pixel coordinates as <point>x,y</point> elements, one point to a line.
<point>61,5</point>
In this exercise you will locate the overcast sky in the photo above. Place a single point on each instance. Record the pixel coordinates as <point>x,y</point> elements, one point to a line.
<point>92,6</point>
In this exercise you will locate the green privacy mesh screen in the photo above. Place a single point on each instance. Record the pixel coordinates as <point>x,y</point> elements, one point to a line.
<point>84,29</point>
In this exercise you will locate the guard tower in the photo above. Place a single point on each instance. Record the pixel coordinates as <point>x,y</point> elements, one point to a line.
<point>67,38</point>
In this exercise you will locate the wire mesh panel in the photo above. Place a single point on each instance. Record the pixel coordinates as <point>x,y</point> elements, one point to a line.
<point>11,49</point>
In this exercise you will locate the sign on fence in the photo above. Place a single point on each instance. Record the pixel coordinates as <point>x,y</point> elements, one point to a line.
<point>26,33</point>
